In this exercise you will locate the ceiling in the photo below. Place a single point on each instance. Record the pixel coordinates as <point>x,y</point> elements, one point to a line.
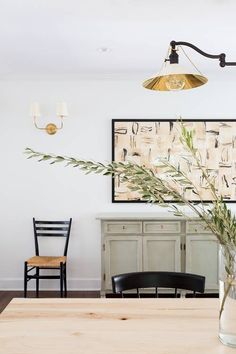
<point>57,39</point>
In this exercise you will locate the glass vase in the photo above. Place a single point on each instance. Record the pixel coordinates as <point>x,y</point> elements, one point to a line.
<point>227,289</point>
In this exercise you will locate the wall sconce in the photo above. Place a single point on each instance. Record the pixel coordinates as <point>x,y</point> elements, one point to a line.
<point>51,128</point>
<point>173,77</point>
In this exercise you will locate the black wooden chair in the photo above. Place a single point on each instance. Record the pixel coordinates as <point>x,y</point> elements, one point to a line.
<point>38,262</point>
<point>174,280</point>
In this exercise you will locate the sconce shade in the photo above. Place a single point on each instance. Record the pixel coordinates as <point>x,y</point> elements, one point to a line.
<point>182,78</point>
<point>62,109</point>
<point>34,110</point>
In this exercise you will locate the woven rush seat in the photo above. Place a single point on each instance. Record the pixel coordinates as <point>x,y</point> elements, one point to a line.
<point>45,261</point>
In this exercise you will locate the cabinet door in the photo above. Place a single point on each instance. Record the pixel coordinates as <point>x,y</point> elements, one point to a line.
<point>123,254</point>
<point>202,258</point>
<point>161,253</point>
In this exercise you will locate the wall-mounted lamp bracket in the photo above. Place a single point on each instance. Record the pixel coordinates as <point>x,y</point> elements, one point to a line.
<point>221,57</point>
<point>50,128</point>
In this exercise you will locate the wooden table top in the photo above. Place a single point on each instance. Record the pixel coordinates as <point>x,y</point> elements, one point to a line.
<point>140,326</point>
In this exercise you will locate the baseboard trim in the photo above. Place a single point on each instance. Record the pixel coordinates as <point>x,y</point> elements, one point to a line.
<point>74,284</point>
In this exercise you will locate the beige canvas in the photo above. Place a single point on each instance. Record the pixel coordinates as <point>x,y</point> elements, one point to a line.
<point>146,141</point>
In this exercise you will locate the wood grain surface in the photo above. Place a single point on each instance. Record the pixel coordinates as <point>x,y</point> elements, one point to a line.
<point>141,326</point>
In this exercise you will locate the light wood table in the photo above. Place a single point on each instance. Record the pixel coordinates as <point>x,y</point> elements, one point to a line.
<point>140,326</point>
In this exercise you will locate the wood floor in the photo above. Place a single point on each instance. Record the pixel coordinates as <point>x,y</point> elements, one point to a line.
<point>7,296</point>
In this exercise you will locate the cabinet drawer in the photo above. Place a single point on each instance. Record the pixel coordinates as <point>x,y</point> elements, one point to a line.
<point>196,227</point>
<point>122,227</point>
<point>159,227</point>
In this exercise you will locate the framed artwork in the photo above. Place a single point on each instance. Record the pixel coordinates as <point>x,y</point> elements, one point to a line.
<point>144,141</point>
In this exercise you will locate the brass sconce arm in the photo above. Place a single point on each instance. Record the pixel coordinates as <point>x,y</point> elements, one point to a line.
<point>50,128</point>
<point>173,57</point>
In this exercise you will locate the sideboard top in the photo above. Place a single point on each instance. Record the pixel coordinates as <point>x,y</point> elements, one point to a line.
<point>143,216</point>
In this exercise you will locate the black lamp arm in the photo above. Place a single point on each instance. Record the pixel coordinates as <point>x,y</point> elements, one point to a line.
<point>221,57</point>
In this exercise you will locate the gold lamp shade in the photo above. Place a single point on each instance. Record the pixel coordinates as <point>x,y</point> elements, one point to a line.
<point>174,77</point>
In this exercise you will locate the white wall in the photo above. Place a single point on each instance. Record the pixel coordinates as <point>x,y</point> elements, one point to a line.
<point>29,188</point>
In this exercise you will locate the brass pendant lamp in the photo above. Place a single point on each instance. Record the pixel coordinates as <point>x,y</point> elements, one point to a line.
<point>173,77</point>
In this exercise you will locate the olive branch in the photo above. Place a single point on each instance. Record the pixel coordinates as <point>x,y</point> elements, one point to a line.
<point>169,185</point>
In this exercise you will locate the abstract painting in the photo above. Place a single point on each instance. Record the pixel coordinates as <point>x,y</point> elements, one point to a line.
<point>145,141</point>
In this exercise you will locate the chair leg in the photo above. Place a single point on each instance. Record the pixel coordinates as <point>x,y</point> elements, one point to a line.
<point>65,281</point>
<point>25,279</point>
<point>37,281</point>
<point>61,279</point>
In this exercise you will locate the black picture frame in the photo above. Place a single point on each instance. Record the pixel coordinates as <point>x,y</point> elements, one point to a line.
<point>114,121</point>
